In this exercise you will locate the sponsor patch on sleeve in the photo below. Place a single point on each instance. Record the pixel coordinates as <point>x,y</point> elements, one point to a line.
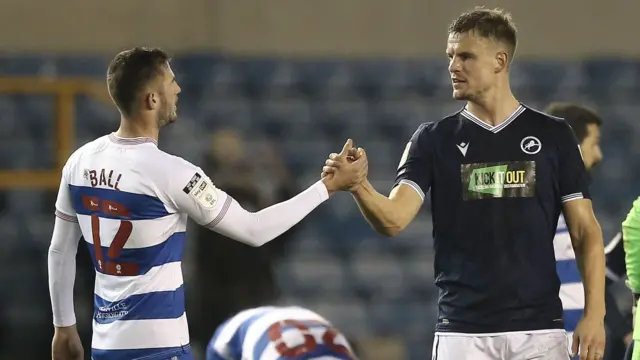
<point>202,191</point>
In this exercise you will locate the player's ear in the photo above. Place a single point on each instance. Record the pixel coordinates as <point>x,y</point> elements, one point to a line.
<point>151,101</point>
<point>502,61</point>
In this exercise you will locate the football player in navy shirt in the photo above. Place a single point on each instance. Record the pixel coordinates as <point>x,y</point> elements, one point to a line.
<point>500,174</point>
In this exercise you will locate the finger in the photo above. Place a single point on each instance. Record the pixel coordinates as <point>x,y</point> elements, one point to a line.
<point>361,153</point>
<point>328,169</point>
<point>347,146</point>
<point>333,163</point>
<point>575,346</point>
<point>584,351</point>
<point>353,153</point>
<point>596,352</point>
<point>334,156</point>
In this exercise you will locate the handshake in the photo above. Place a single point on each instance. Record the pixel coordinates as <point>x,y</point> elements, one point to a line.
<point>347,170</point>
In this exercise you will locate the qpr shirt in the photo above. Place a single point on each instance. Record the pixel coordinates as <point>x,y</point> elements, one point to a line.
<point>131,201</point>
<point>278,333</point>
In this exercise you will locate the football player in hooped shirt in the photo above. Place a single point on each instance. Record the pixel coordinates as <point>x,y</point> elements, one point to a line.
<point>130,202</point>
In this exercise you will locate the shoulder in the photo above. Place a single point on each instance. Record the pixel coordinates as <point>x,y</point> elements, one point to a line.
<point>545,119</point>
<point>435,127</point>
<point>80,153</point>
<point>443,124</point>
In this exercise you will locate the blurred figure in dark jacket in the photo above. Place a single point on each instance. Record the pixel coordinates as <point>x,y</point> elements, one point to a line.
<point>231,276</point>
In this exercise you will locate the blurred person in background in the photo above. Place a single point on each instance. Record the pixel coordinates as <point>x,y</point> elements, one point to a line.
<point>275,333</point>
<point>586,125</point>
<point>500,174</point>
<point>245,274</point>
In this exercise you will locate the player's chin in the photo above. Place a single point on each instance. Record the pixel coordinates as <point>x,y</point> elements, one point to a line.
<point>460,95</point>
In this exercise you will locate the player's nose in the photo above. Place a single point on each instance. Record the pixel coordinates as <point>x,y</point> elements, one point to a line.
<point>598,155</point>
<point>454,66</point>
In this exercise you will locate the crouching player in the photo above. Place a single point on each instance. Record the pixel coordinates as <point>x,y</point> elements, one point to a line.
<point>278,333</point>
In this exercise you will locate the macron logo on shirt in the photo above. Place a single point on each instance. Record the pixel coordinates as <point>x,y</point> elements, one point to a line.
<point>463,147</point>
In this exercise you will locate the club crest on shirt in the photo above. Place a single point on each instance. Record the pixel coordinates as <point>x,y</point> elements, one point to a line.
<point>513,179</point>
<point>202,191</point>
<point>531,145</point>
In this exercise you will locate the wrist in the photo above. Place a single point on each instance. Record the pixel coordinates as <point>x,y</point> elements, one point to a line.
<point>66,329</point>
<point>328,187</point>
<point>595,312</point>
<point>360,188</point>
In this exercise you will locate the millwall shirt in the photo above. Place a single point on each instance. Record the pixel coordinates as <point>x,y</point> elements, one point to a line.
<point>496,195</point>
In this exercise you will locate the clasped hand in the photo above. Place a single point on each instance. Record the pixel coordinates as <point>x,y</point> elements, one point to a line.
<point>347,170</point>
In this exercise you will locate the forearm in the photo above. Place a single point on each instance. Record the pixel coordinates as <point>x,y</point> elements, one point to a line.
<point>591,264</point>
<point>377,209</point>
<point>258,228</point>
<point>62,271</point>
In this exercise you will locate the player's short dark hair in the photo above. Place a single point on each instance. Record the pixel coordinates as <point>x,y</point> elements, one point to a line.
<point>579,117</point>
<point>495,24</point>
<point>130,71</point>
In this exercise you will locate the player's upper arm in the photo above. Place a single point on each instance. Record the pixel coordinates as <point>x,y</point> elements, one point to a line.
<point>191,191</point>
<point>415,165</point>
<point>573,176</point>
<point>407,202</point>
<point>581,220</point>
<point>64,203</point>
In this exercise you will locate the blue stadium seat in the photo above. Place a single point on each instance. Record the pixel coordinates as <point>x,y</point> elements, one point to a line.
<point>378,274</point>
<point>95,67</point>
<point>337,120</point>
<point>325,80</point>
<point>221,113</point>
<point>283,119</point>
<point>349,315</point>
<point>318,272</point>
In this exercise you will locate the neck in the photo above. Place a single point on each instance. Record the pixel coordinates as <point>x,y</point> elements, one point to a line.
<point>136,127</point>
<point>495,107</point>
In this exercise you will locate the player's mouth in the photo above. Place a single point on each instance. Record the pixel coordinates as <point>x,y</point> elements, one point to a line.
<point>457,82</point>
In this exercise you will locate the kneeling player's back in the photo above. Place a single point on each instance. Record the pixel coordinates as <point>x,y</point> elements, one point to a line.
<point>278,333</point>
<point>123,192</point>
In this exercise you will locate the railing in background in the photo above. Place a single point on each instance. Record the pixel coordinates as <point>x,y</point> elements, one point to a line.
<point>65,91</point>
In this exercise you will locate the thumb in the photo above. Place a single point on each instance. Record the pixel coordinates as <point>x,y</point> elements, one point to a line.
<point>347,146</point>
<point>575,346</point>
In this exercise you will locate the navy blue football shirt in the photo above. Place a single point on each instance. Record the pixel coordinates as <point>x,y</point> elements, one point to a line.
<point>496,195</point>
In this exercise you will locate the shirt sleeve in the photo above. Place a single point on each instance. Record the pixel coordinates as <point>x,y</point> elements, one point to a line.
<point>217,211</point>
<point>64,203</point>
<point>62,257</point>
<point>631,243</point>
<point>573,178</point>
<point>416,163</point>
<point>192,192</point>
